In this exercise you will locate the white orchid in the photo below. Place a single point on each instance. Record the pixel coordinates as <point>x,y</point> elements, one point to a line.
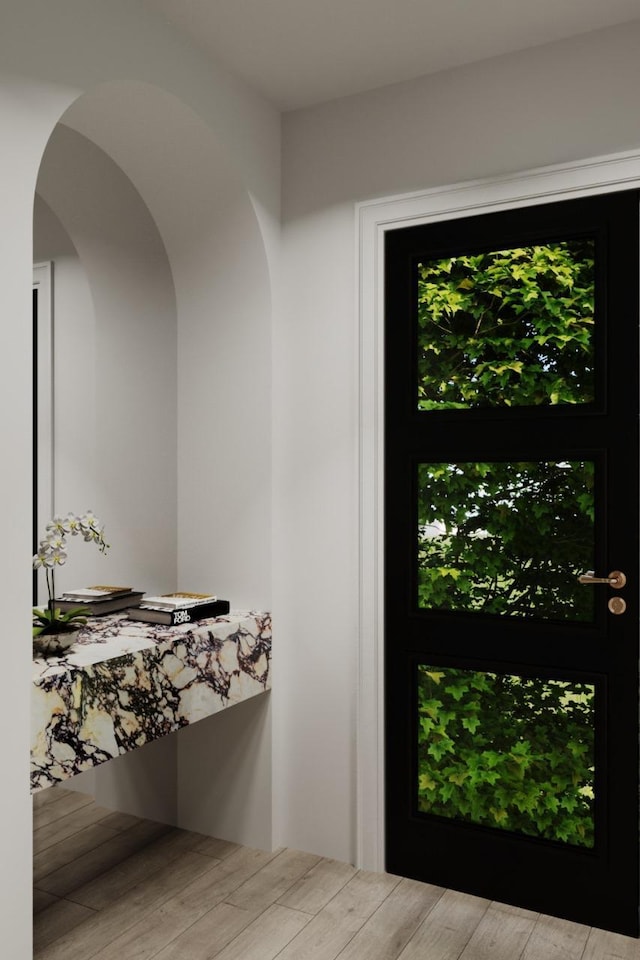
<point>49,557</point>
<point>53,541</point>
<point>91,530</point>
<point>58,525</point>
<point>52,553</point>
<point>55,557</point>
<point>72,524</point>
<point>89,521</point>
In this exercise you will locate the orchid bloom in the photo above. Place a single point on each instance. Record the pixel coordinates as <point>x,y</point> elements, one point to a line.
<point>52,551</point>
<point>58,525</point>
<point>73,524</point>
<point>92,530</point>
<point>53,541</point>
<point>55,557</point>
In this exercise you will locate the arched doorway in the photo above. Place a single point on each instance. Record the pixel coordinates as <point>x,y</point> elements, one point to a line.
<point>168,258</point>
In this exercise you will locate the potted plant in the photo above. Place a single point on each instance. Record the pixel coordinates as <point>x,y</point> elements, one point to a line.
<point>53,630</point>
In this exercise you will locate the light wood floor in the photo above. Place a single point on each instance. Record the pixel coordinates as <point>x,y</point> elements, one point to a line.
<point>112,887</point>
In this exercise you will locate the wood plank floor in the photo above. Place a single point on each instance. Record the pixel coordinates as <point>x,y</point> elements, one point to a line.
<point>112,887</point>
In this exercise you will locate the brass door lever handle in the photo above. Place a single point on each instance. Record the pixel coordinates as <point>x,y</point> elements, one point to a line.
<point>616,579</point>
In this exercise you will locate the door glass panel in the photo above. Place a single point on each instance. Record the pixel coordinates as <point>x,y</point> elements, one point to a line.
<point>507,328</point>
<point>507,538</point>
<point>507,752</point>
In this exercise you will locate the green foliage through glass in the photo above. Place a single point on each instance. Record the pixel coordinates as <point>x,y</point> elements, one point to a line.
<point>507,752</point>
<point>507,328</point>
<point>508,538</point>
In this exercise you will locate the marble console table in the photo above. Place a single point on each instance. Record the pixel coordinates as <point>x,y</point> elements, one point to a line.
<point>126,683</point>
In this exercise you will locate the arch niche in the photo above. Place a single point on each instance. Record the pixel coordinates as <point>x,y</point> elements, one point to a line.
<point>178,383</point>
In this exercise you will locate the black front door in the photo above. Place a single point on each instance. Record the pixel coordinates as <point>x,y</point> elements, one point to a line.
<point>511,471</point>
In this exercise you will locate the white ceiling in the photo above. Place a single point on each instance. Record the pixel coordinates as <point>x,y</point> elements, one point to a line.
<point>300,52</point>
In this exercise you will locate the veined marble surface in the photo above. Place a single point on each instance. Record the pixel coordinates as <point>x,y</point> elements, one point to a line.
<point>125,683</point>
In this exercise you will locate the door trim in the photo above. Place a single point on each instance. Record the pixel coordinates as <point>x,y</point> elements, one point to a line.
<point>43,482</point>
<point>373,218</point>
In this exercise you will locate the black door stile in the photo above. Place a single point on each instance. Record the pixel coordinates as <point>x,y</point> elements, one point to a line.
<point>598,884</point>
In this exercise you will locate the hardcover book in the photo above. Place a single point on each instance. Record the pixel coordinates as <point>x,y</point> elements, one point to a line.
<point>99,603</point>
<point>199,611</point>
<point>97,592</point>
<point>173,601</point>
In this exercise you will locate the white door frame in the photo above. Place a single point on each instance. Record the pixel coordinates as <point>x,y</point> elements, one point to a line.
<point>43,282</point>
<point>373,219</point>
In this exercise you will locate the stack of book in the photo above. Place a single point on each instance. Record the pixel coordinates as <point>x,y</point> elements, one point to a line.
<point>99,599</point>
<point>175,608</point>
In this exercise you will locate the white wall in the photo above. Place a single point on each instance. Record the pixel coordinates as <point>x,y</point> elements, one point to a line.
<point>115,361</point>
<point>224,774</point>
<point>568,100</point>
<point>50,55</point>
<point>17,180</point>
<point>221,263</point>
<point>221,411</point>
<point>115,405</point>
<point>560,102</point>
